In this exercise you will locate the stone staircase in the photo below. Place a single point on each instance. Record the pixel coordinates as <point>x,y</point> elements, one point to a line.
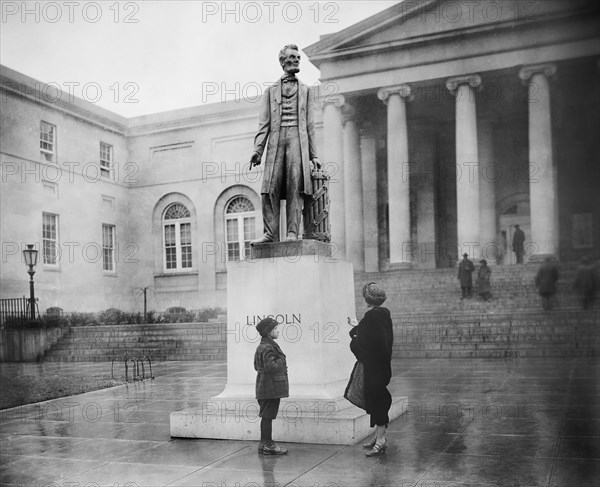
<point>438,290</point>
<point>498,335</point>
<point>430,319</point>
<point>160,342</point>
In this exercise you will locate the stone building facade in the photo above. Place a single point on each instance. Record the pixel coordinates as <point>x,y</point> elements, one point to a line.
<point>441,123</point>
<point>470,117</point>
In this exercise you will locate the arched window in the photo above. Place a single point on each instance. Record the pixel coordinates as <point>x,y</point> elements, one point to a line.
<point>240,227</point>
<point>177,238</point>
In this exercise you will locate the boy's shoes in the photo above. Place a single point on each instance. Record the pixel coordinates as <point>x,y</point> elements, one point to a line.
<point>261,447</point>
<point>271,449</point>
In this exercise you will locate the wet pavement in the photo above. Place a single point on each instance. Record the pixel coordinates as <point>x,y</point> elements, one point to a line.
<point>479,422</point>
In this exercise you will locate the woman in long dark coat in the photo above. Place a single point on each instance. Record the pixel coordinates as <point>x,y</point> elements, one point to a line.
<point>371,343</point>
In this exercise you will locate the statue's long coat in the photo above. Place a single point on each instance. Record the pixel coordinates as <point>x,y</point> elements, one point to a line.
<point>269,123</point>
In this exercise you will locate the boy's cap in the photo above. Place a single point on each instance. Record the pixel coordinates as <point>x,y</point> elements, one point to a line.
<point>265,326</point>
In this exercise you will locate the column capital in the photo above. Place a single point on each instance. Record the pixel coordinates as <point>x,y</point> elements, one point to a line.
<point>547,69</point>
<point>473,80</point>
<point>348,112</point>
<point>404,90</point>
<point>366,128</point>
<point>336,100</point>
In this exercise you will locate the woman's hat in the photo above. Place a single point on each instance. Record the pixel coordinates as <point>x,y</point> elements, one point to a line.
<point>265,326</point>
<point>373,294</point>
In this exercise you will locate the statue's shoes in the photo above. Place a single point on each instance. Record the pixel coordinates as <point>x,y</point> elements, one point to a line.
<point>291,237</point>
<point>263,239</point>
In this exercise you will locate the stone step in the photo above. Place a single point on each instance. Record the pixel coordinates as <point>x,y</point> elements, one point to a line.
<point>154,358</point>
<point>499,354</point>
<point>430,320</point>
<point>141,339</point>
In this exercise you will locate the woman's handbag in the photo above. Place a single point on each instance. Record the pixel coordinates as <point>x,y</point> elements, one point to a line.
<point>355,390</point>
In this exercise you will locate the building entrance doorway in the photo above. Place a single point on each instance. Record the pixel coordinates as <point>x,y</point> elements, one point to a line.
<point>517,214</point>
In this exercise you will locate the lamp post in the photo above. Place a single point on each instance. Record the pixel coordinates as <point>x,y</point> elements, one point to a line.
<point>31,255</point>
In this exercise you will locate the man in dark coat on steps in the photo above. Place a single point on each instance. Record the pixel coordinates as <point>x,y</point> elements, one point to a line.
<point>518,243</point>
<point>465,271</point>
<point>586,283</point>
<point>545,282</point>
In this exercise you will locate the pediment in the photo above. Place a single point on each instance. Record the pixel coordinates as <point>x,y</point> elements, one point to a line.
<point>434,21</point>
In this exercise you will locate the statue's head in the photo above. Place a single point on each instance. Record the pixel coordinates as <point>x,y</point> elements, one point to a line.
<point>289,58</point>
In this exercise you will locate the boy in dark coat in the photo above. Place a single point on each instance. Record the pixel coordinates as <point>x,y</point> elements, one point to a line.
<point>271,383</point>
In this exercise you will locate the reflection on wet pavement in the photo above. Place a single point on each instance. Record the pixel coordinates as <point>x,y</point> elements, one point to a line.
<point>479,422</point>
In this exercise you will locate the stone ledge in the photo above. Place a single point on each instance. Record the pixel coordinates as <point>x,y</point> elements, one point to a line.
<point>292,250</point>
<point>334,422</point>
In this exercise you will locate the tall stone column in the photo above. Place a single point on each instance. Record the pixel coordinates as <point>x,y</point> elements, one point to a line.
<point>333,161</point>
<point>467,164</point>
<point>543,196</point>
<point>398,175</point>
<point>353,196</point>
<point>423,183</point>
<point>488,170</point>
<point>368,161</point>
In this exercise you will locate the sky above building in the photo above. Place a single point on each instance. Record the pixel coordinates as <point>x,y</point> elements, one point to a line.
<point>136,58</point>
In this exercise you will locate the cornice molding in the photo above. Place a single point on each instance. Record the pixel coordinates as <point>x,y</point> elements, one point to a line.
<point>329,48</point>
<point>65,107</point>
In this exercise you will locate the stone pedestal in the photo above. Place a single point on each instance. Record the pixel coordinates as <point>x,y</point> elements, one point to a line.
<point>311,294</point>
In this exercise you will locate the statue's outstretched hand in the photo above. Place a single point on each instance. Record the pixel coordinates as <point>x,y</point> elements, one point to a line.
<point>255,160</point>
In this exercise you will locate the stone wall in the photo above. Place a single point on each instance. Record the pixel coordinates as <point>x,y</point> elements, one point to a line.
<point>28,345</point>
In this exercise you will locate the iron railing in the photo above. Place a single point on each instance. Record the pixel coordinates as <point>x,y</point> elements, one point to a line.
<point>16,311</point>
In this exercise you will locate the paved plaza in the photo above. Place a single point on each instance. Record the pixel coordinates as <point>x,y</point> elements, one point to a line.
<point>477,422</point>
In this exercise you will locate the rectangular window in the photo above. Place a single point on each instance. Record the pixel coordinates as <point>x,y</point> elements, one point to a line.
<point>106,159</point>
<point>170,247</point>
<point>186,245</point>
<point>48,141</point>
<point>108,248</point>
<point>50,238</point>
<point>249,234</point>
<point>233,244</point>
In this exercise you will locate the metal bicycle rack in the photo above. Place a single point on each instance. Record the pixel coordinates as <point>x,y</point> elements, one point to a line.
<point>138,371</point>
